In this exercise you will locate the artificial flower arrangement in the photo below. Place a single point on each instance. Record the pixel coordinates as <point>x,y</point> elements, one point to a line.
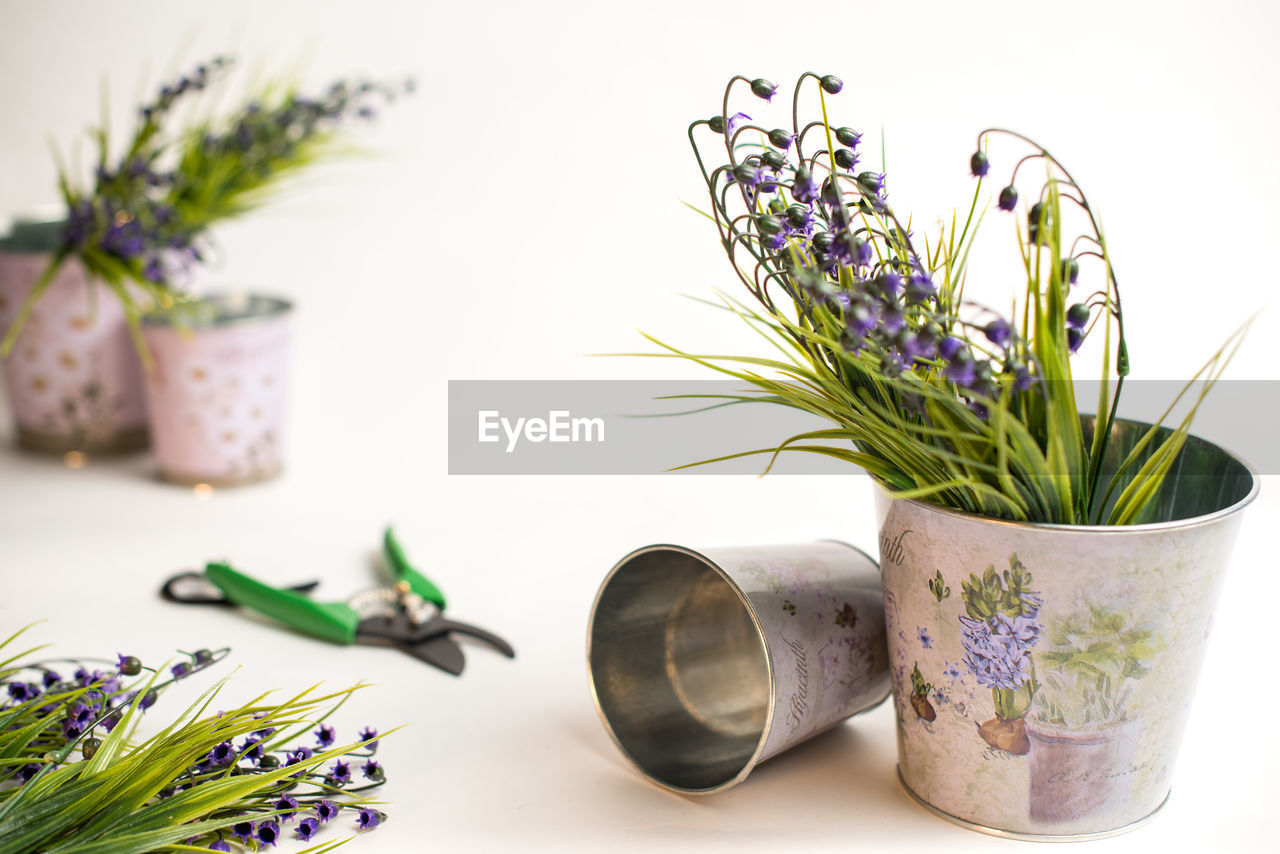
<point>73,776</point>
<point>940,398</point>
<point>145,219</point>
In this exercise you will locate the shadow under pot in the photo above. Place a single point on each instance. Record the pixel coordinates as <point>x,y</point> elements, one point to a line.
<point>73,377</point>
<point>217,392</point>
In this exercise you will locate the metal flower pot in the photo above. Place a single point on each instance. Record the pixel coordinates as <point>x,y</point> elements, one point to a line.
<point>217,393</point>
<point>1043,673</point>
<point>703,664</point>
<point>73,377</point>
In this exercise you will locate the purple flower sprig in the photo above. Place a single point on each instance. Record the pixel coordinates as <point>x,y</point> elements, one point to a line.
<point>53,710</point>
<point>142,224</point>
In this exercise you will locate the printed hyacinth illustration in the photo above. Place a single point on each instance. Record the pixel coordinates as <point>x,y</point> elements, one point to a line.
<point>998,631</point>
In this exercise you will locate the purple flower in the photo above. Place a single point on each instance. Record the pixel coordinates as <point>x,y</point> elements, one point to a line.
<point>919,287</point>
<point>324,735</point>
<point>242,830</point>
<point>925,640</point>
<point>306,829</point>
<point>1074,339</point>
<point>326,810</point>
<point>890,283</point>
<point>340,773</point>
<point>288,805</point>
<point>1008,199</point>
<point>268,834</point>
<point>51,678</point>
<point>20,692</point>
<point>1078,316</point>
<point>961,368</point>
<point>805,189</point>
<point>891,319</point>
<point>252,749</point>
<point>370,735</point>
<point>950,346</point>
<point>297,755</point>
<point>218,846</point>
<point>952,672</point>
<point>222,754</point>
<point>372,770</point>
<point>735,120</point>
<point>153,271</point>
<point>978,164</point>
<point>368,818</point>
<point>999,332</point>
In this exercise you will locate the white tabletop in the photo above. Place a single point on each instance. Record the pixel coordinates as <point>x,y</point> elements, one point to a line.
<point>525,209</point>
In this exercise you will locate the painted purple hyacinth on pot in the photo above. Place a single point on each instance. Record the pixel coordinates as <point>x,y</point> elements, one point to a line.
<point>998,631</point>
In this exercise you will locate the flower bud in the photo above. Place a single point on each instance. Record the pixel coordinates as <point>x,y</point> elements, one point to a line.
<point>1035,219</point>
<point>845,158</point>
<point>1078,316</point>
<point>773,159</point>
<point>848,136</point>
<point>978,164</point>
<point>831,84</point>
<point>1070,270</point>
<point>762,88</point>
<point>716,123</point>
<point>1008,199</point>
<point>768,224</point>
<point>781,138</point>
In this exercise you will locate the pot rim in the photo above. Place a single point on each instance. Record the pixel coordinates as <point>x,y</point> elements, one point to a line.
<point>757,754</point>
<point>236,302</point>
<point>1147,527</point>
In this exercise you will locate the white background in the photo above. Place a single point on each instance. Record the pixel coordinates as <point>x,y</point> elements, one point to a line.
<point>523,210</point>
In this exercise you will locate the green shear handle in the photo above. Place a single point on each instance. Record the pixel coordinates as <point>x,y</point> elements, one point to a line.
<point>332,621</point>
<point>404,571</point>
<point>337,622</point>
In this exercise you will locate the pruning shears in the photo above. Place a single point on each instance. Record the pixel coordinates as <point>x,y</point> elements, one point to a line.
<point>408,615</point>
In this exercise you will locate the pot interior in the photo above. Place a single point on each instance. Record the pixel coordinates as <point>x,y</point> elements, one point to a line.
<point>1203,480</point>
<point>679,670</point>
<point>221,309</point>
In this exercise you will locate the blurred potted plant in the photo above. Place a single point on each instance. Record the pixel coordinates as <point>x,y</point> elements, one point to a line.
<point>1080,728</point>
<point>73,290</point>
<point>968,421</point>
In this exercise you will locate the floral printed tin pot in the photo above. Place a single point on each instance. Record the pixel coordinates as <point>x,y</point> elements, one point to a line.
<point>216,395</point>
<point>1043,674</point>
<point>74,379</point>
<point>705,663</point>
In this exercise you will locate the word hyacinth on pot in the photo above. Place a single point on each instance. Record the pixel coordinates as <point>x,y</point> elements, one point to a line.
<point>1005,510</point>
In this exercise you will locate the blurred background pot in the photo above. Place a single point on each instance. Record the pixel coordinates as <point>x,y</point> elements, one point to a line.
<point>217,393</point>
<point>73,378</point>
<point>1057,663</point>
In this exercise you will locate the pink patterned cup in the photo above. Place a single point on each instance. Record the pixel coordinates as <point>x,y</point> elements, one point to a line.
<point>73,377</point>
<point>216,396</point>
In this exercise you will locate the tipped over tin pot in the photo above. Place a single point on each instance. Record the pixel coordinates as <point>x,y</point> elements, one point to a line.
<point>705,663</point>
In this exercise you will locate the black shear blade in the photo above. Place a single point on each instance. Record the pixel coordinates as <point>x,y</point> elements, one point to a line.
<point>441,651</point>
